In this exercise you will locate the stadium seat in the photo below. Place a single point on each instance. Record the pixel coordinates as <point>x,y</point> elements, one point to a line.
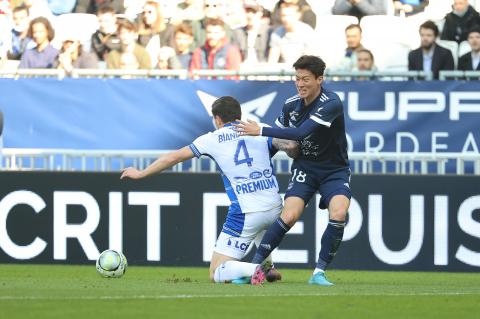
<point>393,59</point>
<point>79,25</point>
<point>331,43</point>
<point>463,48</point>
<point>452,46</point>
<point>383,29</point>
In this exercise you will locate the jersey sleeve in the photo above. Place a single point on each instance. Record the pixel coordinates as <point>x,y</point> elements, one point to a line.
<point>201,145</point>
<point>282,119</point>
<point>327,113</point>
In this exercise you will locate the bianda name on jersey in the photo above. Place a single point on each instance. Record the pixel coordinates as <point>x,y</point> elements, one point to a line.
<point>246,167</point>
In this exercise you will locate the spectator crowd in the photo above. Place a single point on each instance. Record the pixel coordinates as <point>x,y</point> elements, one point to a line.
<point>235,34</point>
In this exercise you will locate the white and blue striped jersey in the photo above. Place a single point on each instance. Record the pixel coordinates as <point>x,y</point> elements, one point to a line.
<point>247,170</point>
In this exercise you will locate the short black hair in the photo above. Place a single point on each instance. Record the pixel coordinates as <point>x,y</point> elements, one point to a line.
<point>311,63</point>
<point>227,108</point>
<point>430,25</point>
<point>475,28</point>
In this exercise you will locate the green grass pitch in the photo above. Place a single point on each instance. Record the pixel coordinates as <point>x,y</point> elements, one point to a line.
<point>41,291</point>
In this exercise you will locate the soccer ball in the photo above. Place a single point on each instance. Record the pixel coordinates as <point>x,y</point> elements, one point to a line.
<point>111,264</point>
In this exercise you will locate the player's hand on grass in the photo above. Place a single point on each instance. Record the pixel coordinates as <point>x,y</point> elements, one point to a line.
<point>131,172</point>
<point>248,128</point>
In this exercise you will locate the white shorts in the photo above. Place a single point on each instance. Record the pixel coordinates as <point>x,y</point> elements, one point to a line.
<point>255,223</point>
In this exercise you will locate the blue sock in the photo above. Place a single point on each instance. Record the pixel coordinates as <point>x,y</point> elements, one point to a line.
<point>331,239</point>
<point>270,240</point>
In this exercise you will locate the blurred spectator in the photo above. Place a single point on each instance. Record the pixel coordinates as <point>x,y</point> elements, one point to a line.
<point>5,40</point>
<point>105,39</point>
<point>188,10</point>
<point>128,44</point>
<point>152,25</point>
<point>183,42</point>
<point>93,6</point>
<point>457,23</point>
<point>409,7</point>
<point>360,8</point>
<point>430,56</point>
<point>72,56</point>
<point>306,14</point>
<point>353,37</point>
<point>43,56</point>
<point>254,37</point>
<point>167,59</point>
<point>128,61</point>
<point>213,9</point>
<point>38,8</point>
<point>291,40</point>
<point>471,60</point>
<point>365,60</point>
<point>217,52</point>
<point>19,34</point>
<point>61,6</point>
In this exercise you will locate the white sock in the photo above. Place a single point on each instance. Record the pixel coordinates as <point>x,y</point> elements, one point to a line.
<point>233,269</point>
<point>317,270</point>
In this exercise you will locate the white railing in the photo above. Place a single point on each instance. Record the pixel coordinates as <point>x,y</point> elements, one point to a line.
<point>114,160</point>
<point>271,73</point>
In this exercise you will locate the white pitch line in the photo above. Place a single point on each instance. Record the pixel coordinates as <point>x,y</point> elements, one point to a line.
<point>159,297</point>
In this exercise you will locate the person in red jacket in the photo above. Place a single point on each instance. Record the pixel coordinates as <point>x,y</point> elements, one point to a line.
<point>217,52</point>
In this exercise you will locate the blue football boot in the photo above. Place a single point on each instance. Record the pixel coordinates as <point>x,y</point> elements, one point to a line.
<point>319,279</point>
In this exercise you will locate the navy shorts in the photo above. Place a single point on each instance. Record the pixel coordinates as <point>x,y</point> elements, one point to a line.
<point>307,179</point>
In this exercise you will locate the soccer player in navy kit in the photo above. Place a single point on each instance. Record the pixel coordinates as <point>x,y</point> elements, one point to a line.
<point>314,118</point>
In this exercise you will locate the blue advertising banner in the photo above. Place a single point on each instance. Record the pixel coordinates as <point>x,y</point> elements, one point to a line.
<point>412,116</point>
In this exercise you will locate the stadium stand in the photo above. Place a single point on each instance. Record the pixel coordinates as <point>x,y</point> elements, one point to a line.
<point>79,25</point>
<point>330,30</point>
<point>452,46</point>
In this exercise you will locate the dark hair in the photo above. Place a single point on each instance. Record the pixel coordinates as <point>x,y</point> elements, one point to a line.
<point>105,9</point>
<point>20,8</point>
<point>127,25</point>
<point>311,63</point>
<point>475,28</point>
<point>353,26</point>
<point>214,21</point>
<point>46,23</point>
<point>184,28</point>
<point>366,51</point>
<point>227,108</point>
<point>430,25</point>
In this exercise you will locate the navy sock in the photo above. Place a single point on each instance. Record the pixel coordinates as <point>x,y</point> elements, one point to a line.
<point>331,239</point>
<point>270,240</point>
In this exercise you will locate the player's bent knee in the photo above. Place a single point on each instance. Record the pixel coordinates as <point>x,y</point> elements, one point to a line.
<point>290,218</point>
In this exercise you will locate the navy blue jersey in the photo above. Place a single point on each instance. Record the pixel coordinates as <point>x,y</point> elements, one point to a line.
<point>326,143</point>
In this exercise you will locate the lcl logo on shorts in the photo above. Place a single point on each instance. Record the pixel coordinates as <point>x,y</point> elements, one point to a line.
<point>237,245</point>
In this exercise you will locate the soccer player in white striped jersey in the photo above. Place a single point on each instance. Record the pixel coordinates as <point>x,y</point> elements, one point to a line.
<point>250,183</point>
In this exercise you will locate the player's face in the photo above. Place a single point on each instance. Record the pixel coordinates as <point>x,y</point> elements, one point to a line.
<point>427,37</point>
<point>307,85</point>
<point>474,41</point>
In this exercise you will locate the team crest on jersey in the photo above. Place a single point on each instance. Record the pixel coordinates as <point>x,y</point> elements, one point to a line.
<point>293,115</point>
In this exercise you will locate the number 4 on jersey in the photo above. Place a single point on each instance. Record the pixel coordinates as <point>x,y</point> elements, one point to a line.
<point>242,147</point>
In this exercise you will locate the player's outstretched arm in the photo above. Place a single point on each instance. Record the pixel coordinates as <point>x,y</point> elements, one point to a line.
<point>162,163</point>
<point>290,147</point>
<point>290,133</point>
